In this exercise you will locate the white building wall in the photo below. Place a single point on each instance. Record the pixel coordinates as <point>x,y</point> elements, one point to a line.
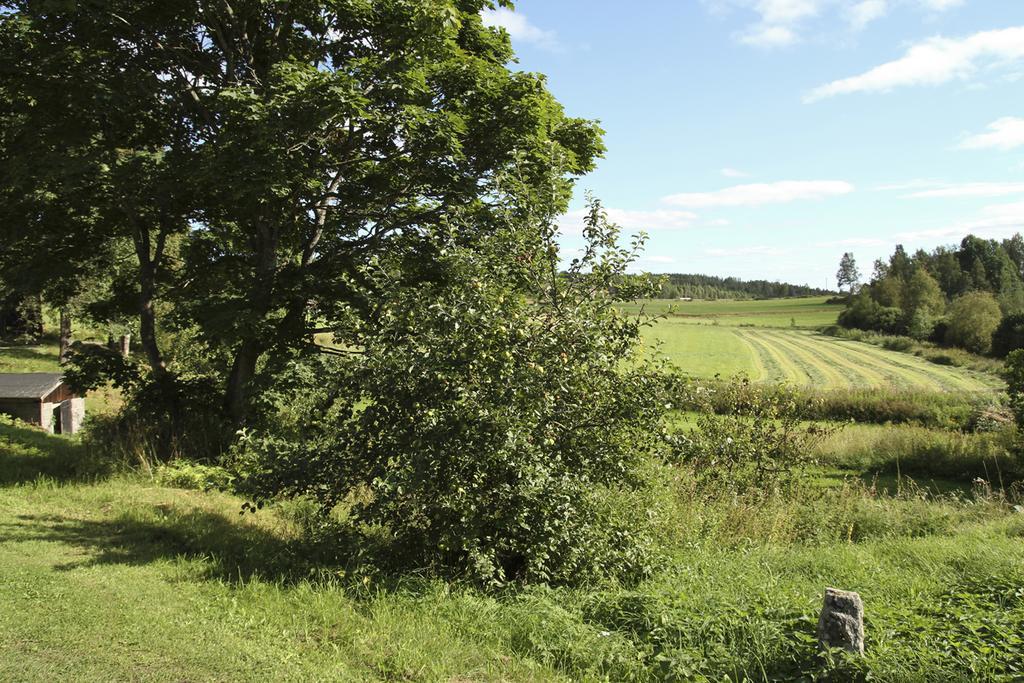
<point>46,416</point>
<point>72,413</point>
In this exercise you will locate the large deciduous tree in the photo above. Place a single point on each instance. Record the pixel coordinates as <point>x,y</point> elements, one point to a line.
<point>847,275</point>
<point>251,158</point>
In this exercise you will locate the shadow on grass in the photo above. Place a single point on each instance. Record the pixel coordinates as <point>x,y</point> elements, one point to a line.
<point>28,453</point>
<point>231,551</point>
<point>233,547</point>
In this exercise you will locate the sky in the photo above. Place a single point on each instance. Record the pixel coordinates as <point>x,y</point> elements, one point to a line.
<point>764,138</point>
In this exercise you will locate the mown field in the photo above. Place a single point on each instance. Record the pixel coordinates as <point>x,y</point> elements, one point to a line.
<point>807,312</point>
<point>755,338</point>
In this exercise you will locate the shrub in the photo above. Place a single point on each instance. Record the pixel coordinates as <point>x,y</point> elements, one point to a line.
<point>973,318</point>
<point>1015,384</point>
<point>1009,336</point>
<point>163,418</point>
<point>921,325</point>
<point>902,344</point>
<point>758,443</point>
<point>489,431</point>
<point>866,314</point>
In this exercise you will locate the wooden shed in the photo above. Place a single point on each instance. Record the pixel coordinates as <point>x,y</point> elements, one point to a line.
<point>42,398</point>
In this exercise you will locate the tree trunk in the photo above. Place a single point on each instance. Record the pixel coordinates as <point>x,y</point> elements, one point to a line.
<point>147,330</point>
<point>236,397</point>
<point>36,306</point>
<point>65,335</point>
<point>251,348</point>
<point>147,295</point>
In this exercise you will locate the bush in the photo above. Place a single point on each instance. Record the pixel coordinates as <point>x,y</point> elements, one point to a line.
<point>921,325</point>
<point>757,444</point>
<point>973,318</point>
<point>1009,336</point>
<point>488,431</point>
<point>866,314</point>
<point>1015,384</point>
<point>164,417</point>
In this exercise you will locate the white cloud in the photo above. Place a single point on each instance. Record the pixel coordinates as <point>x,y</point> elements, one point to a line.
<point>933,62</point>
<point>768,36</point>
<point>733,173</point>
<point>863,13</point>
<point>757,194</point>
<point>1005,134</point>
<point>969,190</point>
<point>779,21</point>
<point>940,5</point>
<point>520,28</point>
<point>631,221</point>
<point>748,251</point>
<point>786,11</point>
<point>915,184</point>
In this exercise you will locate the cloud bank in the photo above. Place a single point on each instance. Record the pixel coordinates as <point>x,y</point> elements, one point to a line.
<point>935,61</point>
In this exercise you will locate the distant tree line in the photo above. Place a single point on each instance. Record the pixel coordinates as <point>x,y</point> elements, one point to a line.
<point>970,296</point>
<point>678,286</point>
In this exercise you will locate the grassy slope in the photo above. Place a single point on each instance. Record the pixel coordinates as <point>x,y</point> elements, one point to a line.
<point>114,579</point>
<point>41,358</point>
<point>704,351</point>
<point>122,579</point>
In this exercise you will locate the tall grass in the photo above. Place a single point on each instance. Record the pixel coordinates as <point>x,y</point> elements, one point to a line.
<point>935,409</point>
<point>924,453</point>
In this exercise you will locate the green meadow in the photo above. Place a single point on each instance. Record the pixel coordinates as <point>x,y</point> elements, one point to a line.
<point>151,574</point>
<point>756,338</point>
<point>128,577</point>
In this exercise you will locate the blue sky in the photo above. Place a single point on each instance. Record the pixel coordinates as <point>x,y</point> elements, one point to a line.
<point>763,138</point>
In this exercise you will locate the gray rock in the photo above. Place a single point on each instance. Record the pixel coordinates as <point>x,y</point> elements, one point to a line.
<point>842,621</point>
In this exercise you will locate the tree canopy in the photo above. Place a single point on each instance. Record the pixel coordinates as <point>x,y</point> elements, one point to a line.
<point>232,167</point>
<point>912,294</point>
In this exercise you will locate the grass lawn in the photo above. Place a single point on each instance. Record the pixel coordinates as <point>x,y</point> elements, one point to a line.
<point>40,358</point>
<point>122,579</point>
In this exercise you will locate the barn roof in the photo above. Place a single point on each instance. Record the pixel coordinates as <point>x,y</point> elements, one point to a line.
<point>31,385</point>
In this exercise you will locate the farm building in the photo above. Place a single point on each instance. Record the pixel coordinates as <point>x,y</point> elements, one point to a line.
<point>41,398</point>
